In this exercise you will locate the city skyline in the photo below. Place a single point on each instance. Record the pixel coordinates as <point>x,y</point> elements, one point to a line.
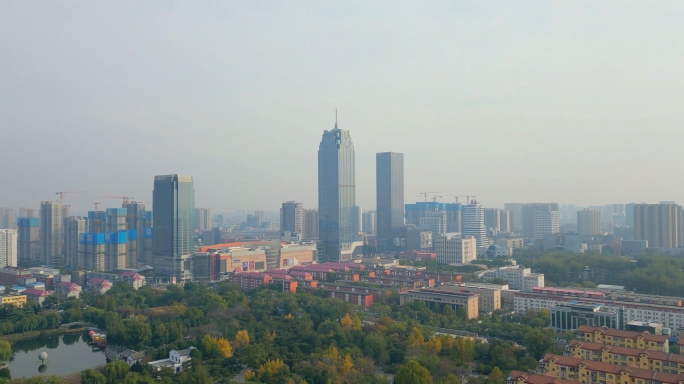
<point>507,95</point>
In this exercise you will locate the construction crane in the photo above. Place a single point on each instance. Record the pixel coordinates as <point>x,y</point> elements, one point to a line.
<point>126,199</point>
<point>61,194</point>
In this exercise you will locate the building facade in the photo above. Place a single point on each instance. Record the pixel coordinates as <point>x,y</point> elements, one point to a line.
<point>202,219</point>
<point>588,222</point>
<point>292,217</point>
<point>453,248</point>
<point>474,223</point>
<point>370,222</point>
<point>8,248</point>
<point>528,216</point>
<point>389,179</point>
<point>659,224</point>
<point>74,226</point>
<point>173,206</point>
<point>28,239</point>
<point>570,316</point>
<point>336,195</point>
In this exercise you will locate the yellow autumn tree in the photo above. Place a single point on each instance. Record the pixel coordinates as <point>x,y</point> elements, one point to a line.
<point>346,321</point>
<point>346,365</point>
<point>223,347</point>
<point>356,323</point>
<point>415,337</point>
<point>249,375</point>
<point>272,369</point>
<point>242,338</point>
<point>435,344</point>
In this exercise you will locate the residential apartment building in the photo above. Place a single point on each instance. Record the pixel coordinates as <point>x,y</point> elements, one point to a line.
<point>28,239</point>
<point>642,358</point>
<point>620,338</point>
<point>518,377</point>
<point>587,371</point>
<point>545,223</point>
<point>51,233</point>
<point>11,299</point>
<point>530,220</point>
<point>456,300</point>
<point>292,217</point>
<point>660,224</point>
<point>668,311</point>
<point>310,224</point>
<point>454,248</point>
<point>74,226</point>
<point>489,295</point>
<point>8,248</point>
<point>589,222</point>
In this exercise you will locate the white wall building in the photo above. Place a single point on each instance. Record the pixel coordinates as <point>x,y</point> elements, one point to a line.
<point>8,248</point>
<point>453,248</point>
<point>518,278</point>
<point>545,222</point>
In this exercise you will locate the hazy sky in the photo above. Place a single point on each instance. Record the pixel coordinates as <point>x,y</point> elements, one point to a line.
<point>513,101</point>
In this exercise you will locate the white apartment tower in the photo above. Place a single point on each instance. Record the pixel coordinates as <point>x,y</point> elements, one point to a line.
<point>8,248</point>
<point>545,223</point>
<point>51,233</point>
<point>454,248</point>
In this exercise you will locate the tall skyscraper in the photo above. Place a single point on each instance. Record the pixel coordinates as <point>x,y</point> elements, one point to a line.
<point>498,220</point>
<point>75,225</point>
<point>8,248</point>
<point>336,195</point>
<point>474,223</point>
<point>528,216</point>
<point>51,233</point>
<point>202,219</point>
<point>310,224</point>
<point>173,207</point>
<point>28,237</point>
<point>588,222</point>
<point>516,211</point>
<point>134,218</point>
<point>660,224</point>
<point>389,193</point>
<point>116,239</point>
<point>26,212</point>
<point>292,217</point>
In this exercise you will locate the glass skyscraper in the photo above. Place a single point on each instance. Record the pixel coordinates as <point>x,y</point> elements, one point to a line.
<point>336,195</point>
<point>173,208</point>
<point>389,179</point>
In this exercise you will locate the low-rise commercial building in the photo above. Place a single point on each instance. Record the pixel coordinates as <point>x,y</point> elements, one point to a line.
<point>642,358</point>
<point>489,295</point>
<point>452,248</point>
<point>629,339</point>
<point>668,311</point>
<point>587,371</point>
<point>15,300</point>
<point>434,297</point>
<point>570,316</point>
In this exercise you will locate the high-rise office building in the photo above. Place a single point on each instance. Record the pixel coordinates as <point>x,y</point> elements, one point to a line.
<point>202,219</point>
<point>51,233</point>
<point>435,222</point>
<point>588,222</point>
<point>310,224</point>
<point>389,193</point>
<point>660,224</point>
<point>474,223</point>
<point>146,244</point>
<point>173,207</point>
<point>528,216</point>
<point>516,212</point>
<point>28,238</point>
<point>8,219</point>
<point>370,222</point>
<point>545,223</point>
<point>358,219</point>
<point>75,225</point>
<point>336,195</point>
<point>8,248</point>
<point>292,217</point>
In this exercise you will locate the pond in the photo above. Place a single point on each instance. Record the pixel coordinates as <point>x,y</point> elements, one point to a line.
<point>67,354</point>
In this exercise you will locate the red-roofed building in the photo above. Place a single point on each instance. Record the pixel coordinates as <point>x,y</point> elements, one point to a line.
<point>629,339</point>
<point>518,377</point>
<point>99,285</point>
<point>642,358</point>
<point>37,295</point>
<point>588,371</point>
<point>66,289</point>
<point>135,279</point>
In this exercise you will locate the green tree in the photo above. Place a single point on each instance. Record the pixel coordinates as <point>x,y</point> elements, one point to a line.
<point>197,374</point>
<point>138,333</point>
<point>496,377</point>
<point>91,376</point>
<point>5,350</point>
<point>412,373</point>
<point>116,372</point>
<point>538,342</point>
<point>43,380</point>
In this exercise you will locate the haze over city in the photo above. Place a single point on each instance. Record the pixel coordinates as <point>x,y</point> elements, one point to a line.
<point>509,101</point>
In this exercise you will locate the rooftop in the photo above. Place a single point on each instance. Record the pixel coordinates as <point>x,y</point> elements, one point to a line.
<point>618,333</point>
<point>654,355</point>
<point>537,378</point>
<point>633,371</point>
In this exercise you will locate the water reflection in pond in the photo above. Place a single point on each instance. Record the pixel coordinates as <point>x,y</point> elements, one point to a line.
<point>67,353</point>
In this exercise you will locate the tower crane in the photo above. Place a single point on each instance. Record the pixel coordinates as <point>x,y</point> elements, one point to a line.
<point>61,194</point>
<point>126,199</point>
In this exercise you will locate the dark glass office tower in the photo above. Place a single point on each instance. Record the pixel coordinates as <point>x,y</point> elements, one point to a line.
<point>336,195</point>
<point>173,208</point>
<point>389,179</point>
